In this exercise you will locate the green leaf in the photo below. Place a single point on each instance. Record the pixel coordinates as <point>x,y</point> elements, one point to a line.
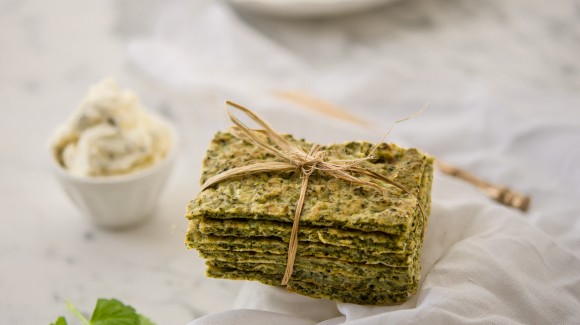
<point>60,321</point>
<point>144,320</point>
<point>77,313</point>
<point>113,312</point>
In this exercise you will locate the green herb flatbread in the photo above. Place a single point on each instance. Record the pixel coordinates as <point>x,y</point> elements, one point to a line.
<point>329,202</point>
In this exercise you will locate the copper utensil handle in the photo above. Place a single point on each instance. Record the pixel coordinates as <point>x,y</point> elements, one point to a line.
<point>499,193</point>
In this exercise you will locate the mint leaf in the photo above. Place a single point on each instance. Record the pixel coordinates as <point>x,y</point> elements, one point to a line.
<point>113,312</point>
<point>144,320</point>
<point>77,313</point>
<point>108,312</point>
<point>60,321</point>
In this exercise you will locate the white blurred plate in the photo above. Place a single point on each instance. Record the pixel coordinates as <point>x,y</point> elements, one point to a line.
<point>308,8</point>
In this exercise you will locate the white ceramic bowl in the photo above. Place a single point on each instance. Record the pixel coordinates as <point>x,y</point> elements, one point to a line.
<point>308,8</point>
<point>122,201</point>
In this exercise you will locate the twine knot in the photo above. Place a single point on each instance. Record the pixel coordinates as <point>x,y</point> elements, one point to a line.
<point>312,160</point>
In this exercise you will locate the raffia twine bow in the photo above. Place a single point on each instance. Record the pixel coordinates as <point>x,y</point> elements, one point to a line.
<point>295,158</point>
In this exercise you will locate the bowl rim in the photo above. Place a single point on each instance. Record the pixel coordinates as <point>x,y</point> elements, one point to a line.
<point>308,9</point>
<point>123,178</point>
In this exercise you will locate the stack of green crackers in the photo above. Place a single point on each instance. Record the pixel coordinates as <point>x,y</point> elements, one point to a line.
<point>355,244</point>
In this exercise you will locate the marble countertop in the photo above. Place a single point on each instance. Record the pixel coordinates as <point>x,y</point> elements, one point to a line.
<point>52,52</point>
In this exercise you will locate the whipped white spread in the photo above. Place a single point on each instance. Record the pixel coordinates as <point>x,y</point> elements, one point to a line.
<point>110,134</point>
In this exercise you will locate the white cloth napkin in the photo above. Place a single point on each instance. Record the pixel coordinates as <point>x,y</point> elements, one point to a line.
<point>482,263</point>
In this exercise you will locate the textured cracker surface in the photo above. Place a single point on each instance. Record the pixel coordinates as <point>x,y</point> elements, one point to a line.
<point>363,297</point>
<point>329,201</point>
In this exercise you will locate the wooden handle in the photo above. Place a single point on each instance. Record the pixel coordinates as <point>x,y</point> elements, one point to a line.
<point>499,193</point>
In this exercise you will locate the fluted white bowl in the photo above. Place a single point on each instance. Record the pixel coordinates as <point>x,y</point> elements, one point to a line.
<point>119,201</point>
